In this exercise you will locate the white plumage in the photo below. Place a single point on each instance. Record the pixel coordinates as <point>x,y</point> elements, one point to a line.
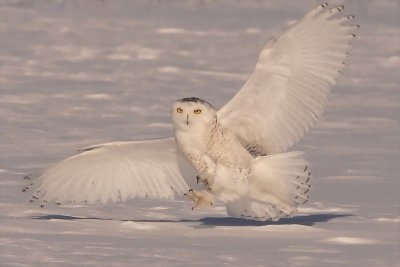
<point>238,151</point>
<point>116,172</point>
<point>287,91</point>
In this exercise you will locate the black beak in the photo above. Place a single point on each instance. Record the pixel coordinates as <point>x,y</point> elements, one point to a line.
<point>187,119</point>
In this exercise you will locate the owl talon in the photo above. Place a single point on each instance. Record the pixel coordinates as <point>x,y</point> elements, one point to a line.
<point>186,194</point>
<point>200,198</point>
<point>204,179</point>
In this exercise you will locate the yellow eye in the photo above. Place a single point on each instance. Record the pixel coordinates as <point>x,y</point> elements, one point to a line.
<point>197,111</point>
<point>179,110</point>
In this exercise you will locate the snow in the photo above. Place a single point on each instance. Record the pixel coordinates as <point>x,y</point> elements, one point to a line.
<point>78,73</point>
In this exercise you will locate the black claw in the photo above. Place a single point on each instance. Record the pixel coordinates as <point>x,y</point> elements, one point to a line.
<point>197,179</point>
<point>190,190</point>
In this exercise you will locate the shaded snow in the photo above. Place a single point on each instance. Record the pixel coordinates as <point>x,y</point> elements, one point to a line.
<point>78,73</point>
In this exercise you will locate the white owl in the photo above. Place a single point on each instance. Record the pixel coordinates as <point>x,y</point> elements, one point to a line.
<point>238,152</point>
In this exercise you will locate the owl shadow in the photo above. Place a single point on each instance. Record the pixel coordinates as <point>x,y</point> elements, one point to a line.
<point>306,220</point>
<point>210,222</point>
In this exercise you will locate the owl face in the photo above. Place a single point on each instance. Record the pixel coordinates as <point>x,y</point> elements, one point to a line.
<point>189,113</point>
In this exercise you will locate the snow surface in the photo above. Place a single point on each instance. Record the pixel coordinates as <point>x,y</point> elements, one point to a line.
<point>77,73</point>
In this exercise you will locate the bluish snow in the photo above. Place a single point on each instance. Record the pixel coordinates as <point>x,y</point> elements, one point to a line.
<point>77,73</point>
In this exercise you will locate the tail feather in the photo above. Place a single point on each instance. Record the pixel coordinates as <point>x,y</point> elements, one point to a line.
<point>303,186</point>
<point>281,179</point>
<point>250,209</point>
<point>278,184</point>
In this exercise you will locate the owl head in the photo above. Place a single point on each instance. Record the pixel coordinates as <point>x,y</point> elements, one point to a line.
<point>189,113</point>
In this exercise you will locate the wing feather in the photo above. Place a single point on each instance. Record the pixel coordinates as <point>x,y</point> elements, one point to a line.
<point>116,171</point>
<point>288,89</point>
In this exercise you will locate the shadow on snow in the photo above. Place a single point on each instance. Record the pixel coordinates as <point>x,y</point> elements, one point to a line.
<point>307,220</point>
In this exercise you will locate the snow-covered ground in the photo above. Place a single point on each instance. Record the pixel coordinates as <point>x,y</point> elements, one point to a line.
<point>76,73</point>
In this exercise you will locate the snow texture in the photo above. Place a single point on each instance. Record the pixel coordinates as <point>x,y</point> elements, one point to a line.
<point>78,73</point>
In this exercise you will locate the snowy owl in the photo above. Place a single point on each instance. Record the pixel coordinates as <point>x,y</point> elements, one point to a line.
<point>237,154</point>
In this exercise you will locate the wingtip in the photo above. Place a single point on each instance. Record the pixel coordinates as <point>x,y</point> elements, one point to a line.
<point>336,9</point>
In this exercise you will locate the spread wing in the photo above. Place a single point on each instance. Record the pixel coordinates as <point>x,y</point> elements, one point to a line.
<point>116,172</point>
<point>252,210</point>
<point>286,92</point>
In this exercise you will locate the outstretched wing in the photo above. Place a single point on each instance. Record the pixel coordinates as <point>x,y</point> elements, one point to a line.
<point>249,209</point>
<point>286,92</point>
<point>116,172</point>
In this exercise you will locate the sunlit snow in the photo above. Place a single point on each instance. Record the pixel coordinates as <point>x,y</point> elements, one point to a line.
<point>78,73</point>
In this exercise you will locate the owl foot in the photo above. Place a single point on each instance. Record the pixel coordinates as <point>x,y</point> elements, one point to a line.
<point>204,179</point>
<point>201,199</point>
<point>201,180</point>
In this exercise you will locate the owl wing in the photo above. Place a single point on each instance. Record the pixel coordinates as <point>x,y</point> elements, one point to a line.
<point>116,172</point>
<point>287,91</point>
<point>249,209</point>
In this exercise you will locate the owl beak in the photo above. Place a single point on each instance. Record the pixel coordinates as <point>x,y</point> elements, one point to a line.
<point>187,119</point>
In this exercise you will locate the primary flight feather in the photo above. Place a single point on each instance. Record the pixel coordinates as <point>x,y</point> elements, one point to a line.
<point>238,153</point>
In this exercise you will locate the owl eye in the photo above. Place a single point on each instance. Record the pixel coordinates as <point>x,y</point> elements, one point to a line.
<point>197,111</point>
<point>179,110</point>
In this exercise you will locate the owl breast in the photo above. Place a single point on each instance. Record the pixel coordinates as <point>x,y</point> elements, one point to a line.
<point>219,157</point>
<point>225,148</point>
